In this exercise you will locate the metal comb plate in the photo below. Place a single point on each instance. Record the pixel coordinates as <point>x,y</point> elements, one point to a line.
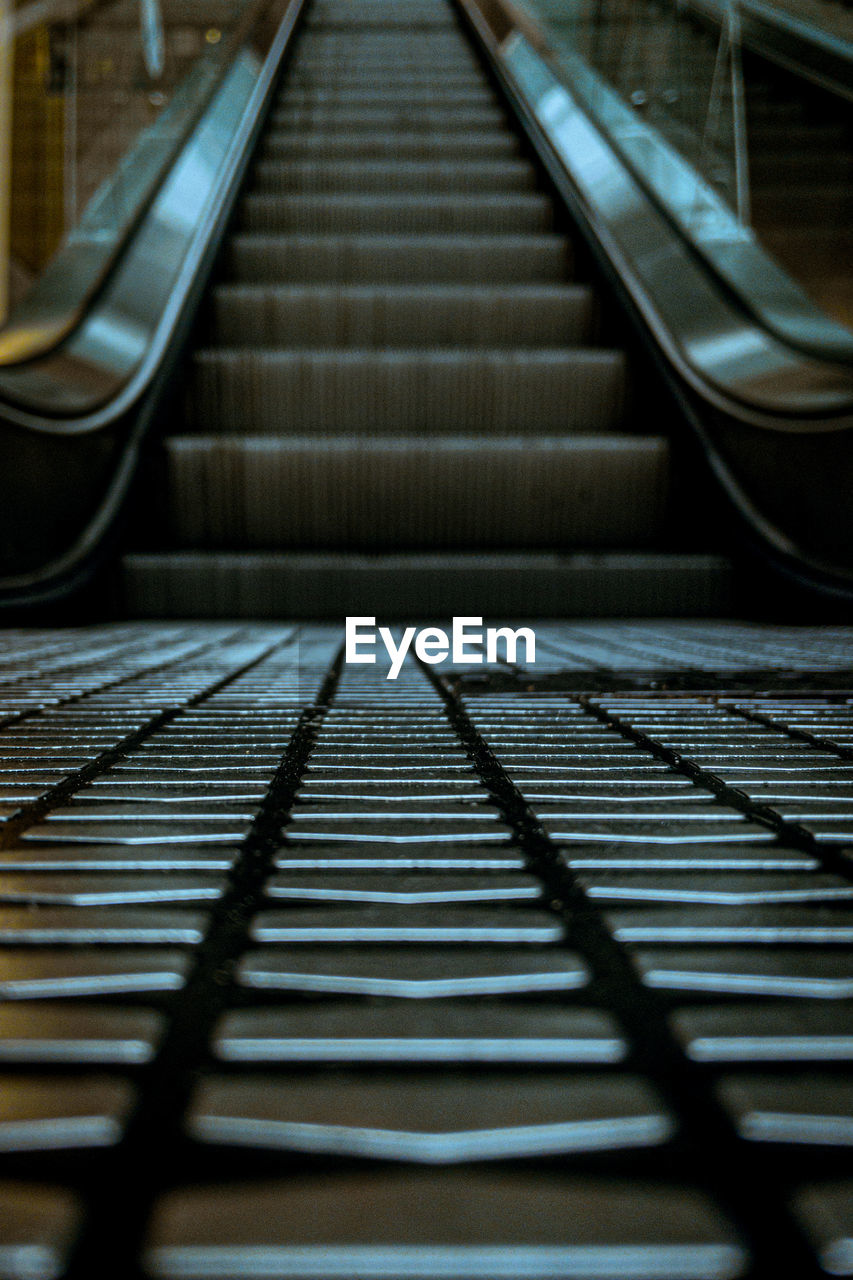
<point>463,1225</point>
<point>400,1032</point>
<point>430,1119</point>
<point>413,973</point>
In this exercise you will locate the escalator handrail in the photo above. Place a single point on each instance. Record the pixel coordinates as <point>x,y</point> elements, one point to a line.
<point>700,215</point>
<point>60,297</point>
<point>103,385</point>
<point>731,370</point>
<point>789,39</point>
<point>93,375</point>
<point>695,314</point>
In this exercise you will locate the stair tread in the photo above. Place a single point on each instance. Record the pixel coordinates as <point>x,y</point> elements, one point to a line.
<point>351,214</point>
<point>387,175</point>
<point>399,137</point>
<point>490,240</point>
<point>416,256</point>
<point>443,392</point>
<point>401,316</point>
<point>448,292</point>
<point>427,584</point>
<point>578,443</point>
<point>452,358</point>
<point>405,492</point>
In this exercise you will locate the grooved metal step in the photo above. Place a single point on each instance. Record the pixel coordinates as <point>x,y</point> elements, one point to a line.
<point>377,97</point>
<point>406,493</point>
<point>405,146</point>
<point>197,584</point>
<point>414,18</point>
<point>399,80</point>
<point>399,259</point>
<point>364,393</point>
<point>396,215</point>
<point>394,357</point>
<point>355,119</point>
<point>403,315</point>
<point>363,176</point>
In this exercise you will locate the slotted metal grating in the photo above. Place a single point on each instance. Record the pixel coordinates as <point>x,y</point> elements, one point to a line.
<point>304,972</point>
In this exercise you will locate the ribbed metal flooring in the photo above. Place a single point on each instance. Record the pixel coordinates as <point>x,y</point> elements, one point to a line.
<point>398,360</point>
<point>479,973</point>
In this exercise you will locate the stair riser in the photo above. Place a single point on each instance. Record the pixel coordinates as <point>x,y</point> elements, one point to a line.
<point>384,57</point>
<point>486,586</point>
<point>388,20</point>
<point>412,120</point>
<point>411,495</point>
<point>277,177</point>
<point>390,80</point>
<point>400,318</point>
<point>325,51</point>
<point>352,147</point>
<point>444,99</point>
<point>247,393</point>
<point>335,215</point>
<point>426,259</point>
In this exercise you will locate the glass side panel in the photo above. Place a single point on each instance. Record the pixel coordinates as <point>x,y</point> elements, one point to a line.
<point>750,147</point>
<point>87,88</point>
<point>680,77</point>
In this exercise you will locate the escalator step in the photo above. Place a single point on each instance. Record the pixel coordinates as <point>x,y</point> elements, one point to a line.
<point>364,392</point>
<point>397,356</point>
<point>396,215</point>
<point>404,116</point>
<point>404,15</point>
<point>496,144</point>
<point>433,80</point>
<point>443,98</point>
<point>366,176</point>
<point>383,60</point>
<point>402,316</point>
<point>399,259</point>
<point>407,492</point>
<point>497,584</point>
<point>418,1222</point>
<point>353,55</point>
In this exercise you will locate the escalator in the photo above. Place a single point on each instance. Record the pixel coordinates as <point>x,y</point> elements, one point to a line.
<point>505,969</point>
<point>420,378</point>
<point>400,401</point>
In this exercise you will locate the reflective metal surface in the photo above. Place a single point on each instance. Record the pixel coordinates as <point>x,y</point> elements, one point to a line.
<point>767,409</point>
<point>72,421</point>
<point>392,1059</point>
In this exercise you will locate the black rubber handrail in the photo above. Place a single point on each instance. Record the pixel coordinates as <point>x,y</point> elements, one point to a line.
<point>72,420</point>
<point>775,423</point>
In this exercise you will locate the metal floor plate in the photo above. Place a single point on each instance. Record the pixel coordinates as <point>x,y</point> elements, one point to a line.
<point>477,973</point>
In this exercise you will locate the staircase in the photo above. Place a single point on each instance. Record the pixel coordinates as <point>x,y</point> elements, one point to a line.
<point>399,404</point>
